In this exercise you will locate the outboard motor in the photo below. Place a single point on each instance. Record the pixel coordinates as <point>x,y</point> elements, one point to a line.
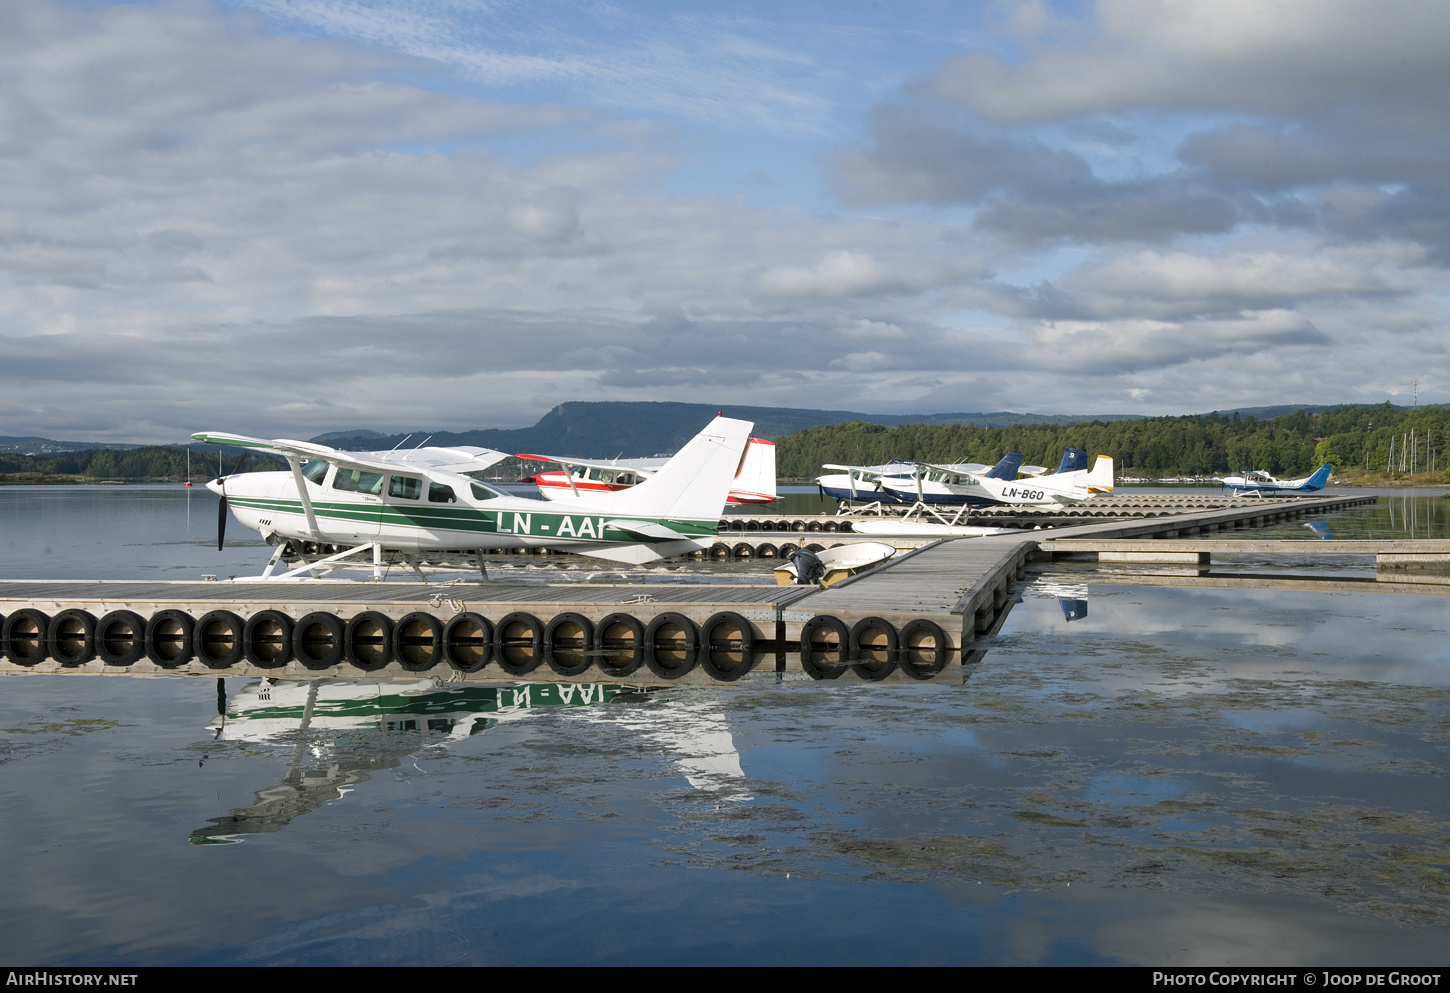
<point>809,569</point>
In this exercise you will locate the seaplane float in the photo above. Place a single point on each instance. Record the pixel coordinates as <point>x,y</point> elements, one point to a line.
<point>423,500</point>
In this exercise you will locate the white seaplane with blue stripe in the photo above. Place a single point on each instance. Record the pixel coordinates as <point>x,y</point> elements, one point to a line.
<point>421,500</point>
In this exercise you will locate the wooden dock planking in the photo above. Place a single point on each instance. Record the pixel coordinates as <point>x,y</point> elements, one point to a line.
<point>963,583</point>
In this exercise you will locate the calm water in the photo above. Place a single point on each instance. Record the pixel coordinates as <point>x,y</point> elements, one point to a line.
<point>1179,776</point>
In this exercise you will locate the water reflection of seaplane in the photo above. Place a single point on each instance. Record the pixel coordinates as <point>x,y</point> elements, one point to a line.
<point>754,483</point>
<point>1259,482</point>
<point>341,731</point>
<point>422,500</point>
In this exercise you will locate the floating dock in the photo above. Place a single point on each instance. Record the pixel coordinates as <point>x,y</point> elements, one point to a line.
<point>908,619</point>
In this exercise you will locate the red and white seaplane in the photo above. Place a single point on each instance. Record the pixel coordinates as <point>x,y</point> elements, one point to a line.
<point>754,480</point>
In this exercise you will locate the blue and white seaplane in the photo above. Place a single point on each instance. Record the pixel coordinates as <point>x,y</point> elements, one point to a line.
<point>953,486</point>
<point>1261,483</point>
<point>422,500</point>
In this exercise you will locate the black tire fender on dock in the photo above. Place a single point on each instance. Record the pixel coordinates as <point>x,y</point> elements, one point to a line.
<point>121,637</point>
<point>368,640</point>
<point>825,669</point>
<point>257,639</point>
<point>418,641</point>
<point>171,638</point>
<point>318,640</point>
<point>468,641</point>
<point>24,625</point>
<point>941,654</point>
<point>623,667</point>
<point>724,668</point>
<point>71,637</point>
<point>504,643</point>
<point>873,670</point>
<point>586,639</point>
<point>670,668</point>
<point>213,630</point>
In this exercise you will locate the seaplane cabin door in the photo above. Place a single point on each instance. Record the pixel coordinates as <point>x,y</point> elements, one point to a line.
<point>408,500</point>
<point>356,505</point>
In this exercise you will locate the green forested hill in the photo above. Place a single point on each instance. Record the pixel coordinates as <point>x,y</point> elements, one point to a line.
<point>1195,445</point>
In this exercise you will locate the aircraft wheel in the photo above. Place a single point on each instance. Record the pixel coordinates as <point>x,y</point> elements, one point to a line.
<point>171,638</point>
<point>418,641</point>
<point>613,637</point>
<point>217,639</point>
<point>671,645</point>
<point>267,639</point>
<point>468,641</point>
<point>727,643</point>
<point>823,637</point>
<point>873,655</point>
<point>23,636</point>
<point>120,637</point>
<point>913,652</point>
<point>368,640</point>
<point>518,643</point>
<point>71,637</point>
<point>560,637</point>
<point>319,640</point>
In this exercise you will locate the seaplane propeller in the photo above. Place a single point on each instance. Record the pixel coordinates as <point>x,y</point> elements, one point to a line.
<point>221,507</point>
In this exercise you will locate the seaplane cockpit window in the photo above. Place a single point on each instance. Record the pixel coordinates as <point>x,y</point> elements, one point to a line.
<point>316,471</point>
<point>580,472</point>
<point>625,479</point>
<point>405,487</point>
<point>440,493</point>
<point>357,481</point>
<point>481,492</point>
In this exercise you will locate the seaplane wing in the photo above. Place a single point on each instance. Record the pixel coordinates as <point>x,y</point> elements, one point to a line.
<point>419,501</point>
<point>456,460</point>
<point>648,465</point>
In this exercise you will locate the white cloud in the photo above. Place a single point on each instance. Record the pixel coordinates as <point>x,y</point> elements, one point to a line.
<point>206,222</point>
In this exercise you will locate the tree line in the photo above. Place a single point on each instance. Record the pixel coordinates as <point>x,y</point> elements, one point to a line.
<point>1349,437</point>
<point>158,463</point>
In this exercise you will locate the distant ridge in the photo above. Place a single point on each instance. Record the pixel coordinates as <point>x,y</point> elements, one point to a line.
<point>608,429</point>
<point>634,429</point>
<point>46,446</point>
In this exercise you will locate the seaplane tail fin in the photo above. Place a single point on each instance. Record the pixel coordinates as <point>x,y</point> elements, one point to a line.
<point>695,482</point>
<point>1100,480</point>
<point>1320,477</point>
<point>1073,460</point>
<point>756,479</point>
<point>1007,468</point>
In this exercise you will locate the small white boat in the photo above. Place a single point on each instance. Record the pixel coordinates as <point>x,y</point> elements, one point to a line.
<point>840,562</point>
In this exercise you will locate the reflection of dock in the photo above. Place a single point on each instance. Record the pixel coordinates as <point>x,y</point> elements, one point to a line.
<point>1388,554</point>
<point>911,616</point>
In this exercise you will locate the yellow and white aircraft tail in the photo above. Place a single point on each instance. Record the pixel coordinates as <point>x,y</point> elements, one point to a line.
<point>1100,480</point>
<point>695,482</point>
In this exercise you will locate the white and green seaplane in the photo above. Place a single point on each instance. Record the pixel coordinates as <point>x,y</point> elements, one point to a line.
<point>422,500</point>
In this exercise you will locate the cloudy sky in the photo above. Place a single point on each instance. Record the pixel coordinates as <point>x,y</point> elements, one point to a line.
<point>283,217</point>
